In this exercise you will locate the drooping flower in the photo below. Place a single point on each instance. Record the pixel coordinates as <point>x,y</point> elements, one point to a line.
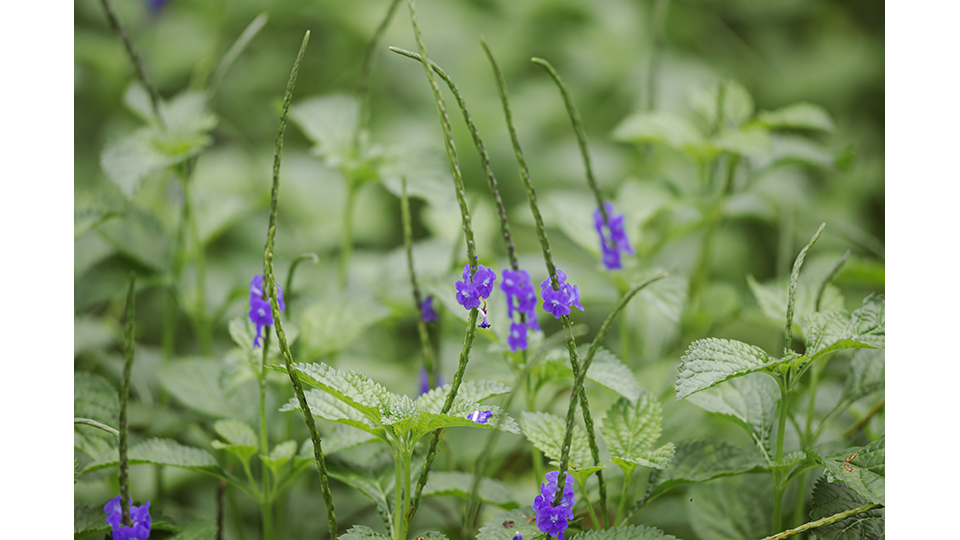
<point>260,313</point>
<point>516,285</point>
<point>425,381</point>
<point>480,417</point>
<point>558,303</point>
<point>139,518</point>
<point>429,315</point>
<point>473,292</point>
<point>553,519</point>
<point>613,237</point>
<point>517,339</point>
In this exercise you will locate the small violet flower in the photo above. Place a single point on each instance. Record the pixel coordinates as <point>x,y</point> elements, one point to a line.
<point>429,315</point>
<point>517,339</point>
<point>613,237</point>
<point>260,313</point>
<point>472,292</point>
<point>518,536</point>
<point>553,519</point>
<point>558,303</point>
<point>480,417</point>
<point>139,517</point>
<point>425,382</point>
<point>516,285</point>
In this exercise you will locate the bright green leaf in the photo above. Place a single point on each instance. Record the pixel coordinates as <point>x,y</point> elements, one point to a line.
<point>329,121</point>
<point>737,103</point>
<point>472,391</point>
<point>632,427</point>
<point>505,525</point>
<point>241,439</point>
<point>351,387</point>
<point>660,128</point>
<point>797,116</point>
<point>196,384</point>
<point>336,321</point>
<point>327,407</point>
<point>94,397</point>
<point>458,484</point>
<point>702,461</point>
<point>747,142</point>
<point>830,498</point>
<point>546,432</point>
<point>749,401</point>
<point>834,330</point>
<point>281,455</point>
<point>161,452</point>
<point>772,298</point>
<point>733,508</point>
<point>606,370</point>
<point>710,361</point>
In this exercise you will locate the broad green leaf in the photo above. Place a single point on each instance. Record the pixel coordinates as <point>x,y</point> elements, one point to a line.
<point>329,121</point>
<point>241,439</point>
<point>458,484</point>
<point>351,387</point>
<point>139,235</point>
<point>733,508</point>
<point>94,397</point>
<point>129,160</point>
<point>660,128</point>
<point>571,211</point>
<point>702,461</point>
<point>472,391</point>
<point>630,428</point>
<point>865,375</point>
<point>91,334</point>
<point>749,401</point>
<point>161,452</point>
<point>336,321</point>
<point>505,525</point>
<point>747,141</point>
<point>830,498</point>
<point>606,370</point>
<point>369,487</point>
<point>627,532</point>
<point>793,150</point>
<point>459,416</point>
<point>546,432</point>
<point>325,406</point>
<point>797,116</point>
<point>772,299</point>
<point>203,530</point>
<point>344,438</point>
<point>196,384</point>
<point>655,459</point>
<point>88,521</point>
<point>243,332</point>
<point>864,472</point>
<point>737,104</point>
<point>281,455</point>
<point>427,173</point>
<point>710,361</point>
<point>833,330</point>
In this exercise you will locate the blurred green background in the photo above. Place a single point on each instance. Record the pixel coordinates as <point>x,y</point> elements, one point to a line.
<point>829,53</point>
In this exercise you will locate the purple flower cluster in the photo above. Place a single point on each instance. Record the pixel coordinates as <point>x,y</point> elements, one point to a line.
<point>613,237</point>
<point>553,519</point>
<point>139,517</point>
<point>558,303</point>
<point>516,284</point>
<point>472,292</point>
<point>426,307</point>
<point>260,313</point>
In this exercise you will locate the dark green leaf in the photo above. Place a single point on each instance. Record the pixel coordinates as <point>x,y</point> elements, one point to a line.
<point>711,361</point>
<point>749,401</point>
<point>733,508</point>
<point>161,452</point>
<point>458,484</point>
<point>702,461</point>
<point>860,467</point>
<point>830,498</point>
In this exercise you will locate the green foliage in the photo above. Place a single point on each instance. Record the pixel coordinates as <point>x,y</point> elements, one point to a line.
<point>281,455</point>
<point>606,370</point>
<point>860,467</point>
<point>329,122</point>
<point>458,484</point>
<point>711,361</point>
<point>94,397</point>
<point>203,530</point>
<point>505,525</point>
<point>702,461</point>
<point>834,330</point>
<point>161,452</point>
<point>733,102</point>
<point>241,439</point>
<point>797,116</point>
<point>325,406</point>
<point>628,532</point>
<point>198,384</point>
<point>732,508</point>
<point>771,296</point>
<point>750,401</point>
<point>369,487</point>
<point>545,431</point>
<point>831,498</point>
<point>335,322</point>
<point>630,428</point>
<point>661,128</point>
<point>865,375</point>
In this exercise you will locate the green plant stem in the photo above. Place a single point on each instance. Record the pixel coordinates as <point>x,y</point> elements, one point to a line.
<point>135,58</point>
<point>863,421</point>
<point>346,234</point>
<point>234,51</point>
<point>289,283</point>
<point>792,292</point>
<point>407,472</point>
<point>363,87</point>
<point>826,279</point>
<point>801,500</point>
<point>578,130</point>
<point>271,285</point>
<point>778,485</point>
<point>840,516</point>
<point>266,502</point>
<point>627,474</point>
<point>94,423</point>
<point>586,500</point>
<point>397,496</point>
<point>428,364</point>
<point>129,339</point>
<point>201,322</point>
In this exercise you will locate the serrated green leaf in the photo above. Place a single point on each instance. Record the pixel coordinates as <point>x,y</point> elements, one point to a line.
<point>343,438</point>
<point>161,452</point>
<point>329,122</point>
<point>196,384</point>
<point>369,487</point>
<point>797,116</point>
<point>865,375</point>
<point>655,459</point>
<point>281,455</point>
<point>471,391</point>
<point>362,532</point>
<point>458,484</point>
<point>505,525</point>
<point>241,439</point>
<point>546,432</point>
<point>336,321</point>
<point>749,401</point>
<point>325,406</point>
<point>88,521</point>
<point>711,361</point>
<point>628,532</point>
<point>630,428</point>
<point>458,415</point>
<point>94,397</point>
<point>351,387</point>
<point>772,299</point>
<point>834,330</point>
<point>660,128</point>
<point>606,370</point>
<point>737,104</point>
<point>733,508</point>
<point>864,472</point>
<point>831,498</point>
<point>702,461</point>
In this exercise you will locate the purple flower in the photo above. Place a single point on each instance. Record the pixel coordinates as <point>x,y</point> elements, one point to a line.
<point>139,517</point>
<point>558,303</point>
<point>155,5</point>
<point>553,519</point>
<point>480,417</point>
<point>425,381</point>
<point>518,536</point>
<point>517,339</point>
<point>516,285</point>
<point>613,237</point>
<point>429,315</point>
<point>260,313</point>
<point>472,292</point>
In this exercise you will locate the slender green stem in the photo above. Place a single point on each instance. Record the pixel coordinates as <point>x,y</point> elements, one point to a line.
<point>271,285</point>
<point>397,495</point>
<point>221,493</point>
<point>365,68</point>
<point>94,423</point>
<point>346,232</point>
<point>238,46</point>
<point>826,279</point>
<point>801,500</point>
<point>778,486</point>
<point>407,472</point>
<point>428,364</point>
<point>201,322</point>
<point>840,516</point>
<point>266,503</point>
<point>627,475</point>
<point>866,418</point>
<point>792,291</point>
<point>659,18</point>
<point>288,288</point>
<point>586,500</point>
<point>129,339</point>
<point>135,58</point>
<point>578,130</point>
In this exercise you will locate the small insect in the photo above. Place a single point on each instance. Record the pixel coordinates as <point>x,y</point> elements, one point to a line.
<point>850,458</point>
<point>508,524</point>
<point>691,500</point>
<point>532,520</point>
<point>847,467</point>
